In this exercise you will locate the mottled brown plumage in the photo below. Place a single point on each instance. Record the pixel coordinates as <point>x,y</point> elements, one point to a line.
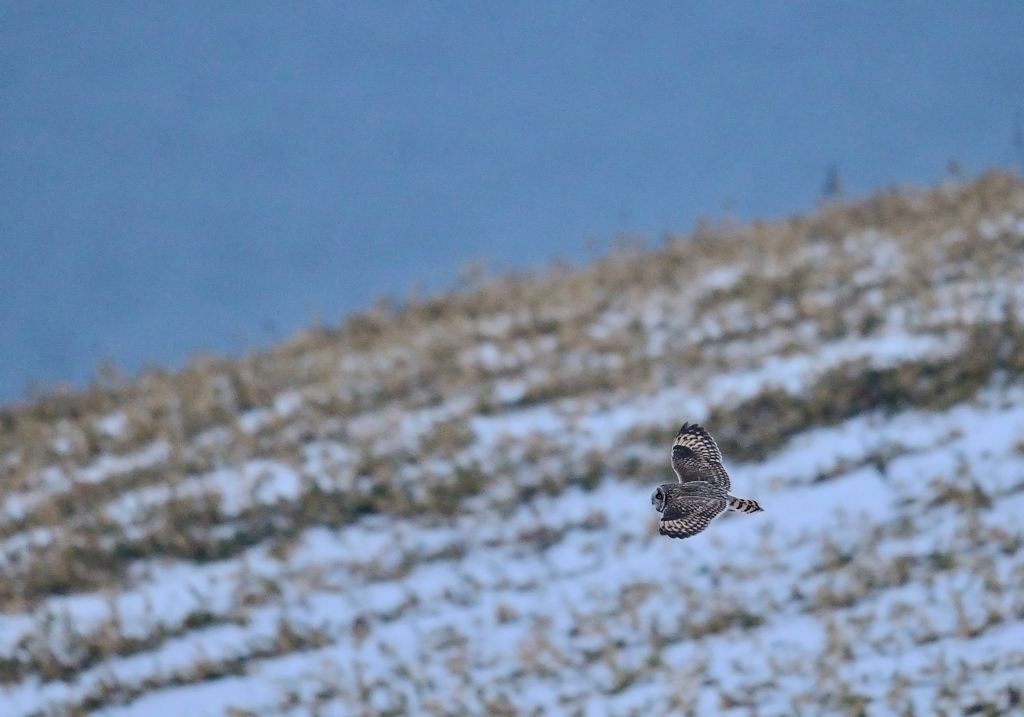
<point>702,493</point>
<point>695,457</point>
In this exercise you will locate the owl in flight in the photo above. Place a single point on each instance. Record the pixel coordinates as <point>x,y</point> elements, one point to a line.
<point>702,493</point>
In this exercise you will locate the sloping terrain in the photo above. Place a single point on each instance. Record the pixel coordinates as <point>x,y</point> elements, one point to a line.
<point>442,508</point>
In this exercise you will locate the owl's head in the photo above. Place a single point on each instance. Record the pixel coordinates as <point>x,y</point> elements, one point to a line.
<point>658,499</point>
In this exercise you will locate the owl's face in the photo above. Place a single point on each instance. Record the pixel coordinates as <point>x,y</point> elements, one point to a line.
<point>658,499</point>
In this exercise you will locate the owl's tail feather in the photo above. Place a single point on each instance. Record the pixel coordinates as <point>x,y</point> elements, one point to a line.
<point>744,505</point>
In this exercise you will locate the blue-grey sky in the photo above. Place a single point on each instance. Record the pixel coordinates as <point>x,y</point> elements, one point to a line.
<point>194,176</point>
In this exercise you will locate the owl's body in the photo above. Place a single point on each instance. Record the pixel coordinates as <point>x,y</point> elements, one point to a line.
<point>702,493</point>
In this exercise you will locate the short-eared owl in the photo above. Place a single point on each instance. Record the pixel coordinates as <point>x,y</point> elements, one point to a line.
<point>702,493</point>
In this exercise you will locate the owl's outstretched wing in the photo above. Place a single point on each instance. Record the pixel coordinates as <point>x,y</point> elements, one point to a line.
<point>695,457</point>
<point>684,519</point>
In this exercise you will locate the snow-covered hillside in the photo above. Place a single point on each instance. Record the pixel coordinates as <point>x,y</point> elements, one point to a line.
<point>443,508</point>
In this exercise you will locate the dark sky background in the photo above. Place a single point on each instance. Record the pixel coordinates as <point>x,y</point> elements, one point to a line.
<point>194,176</point>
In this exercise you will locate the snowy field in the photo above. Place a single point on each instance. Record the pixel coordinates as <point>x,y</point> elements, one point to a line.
<point>492,549</point>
